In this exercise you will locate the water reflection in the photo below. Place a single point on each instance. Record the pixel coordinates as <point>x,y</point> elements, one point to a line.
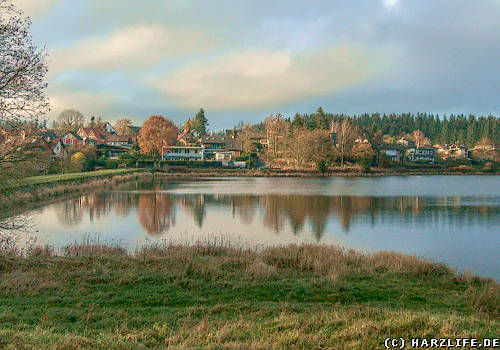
<point>156,210</point>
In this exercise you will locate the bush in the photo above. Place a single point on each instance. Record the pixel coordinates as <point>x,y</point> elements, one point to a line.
<point>111,164</point>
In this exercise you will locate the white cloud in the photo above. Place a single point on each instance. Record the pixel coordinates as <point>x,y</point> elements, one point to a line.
<point>132,47</point>
<point>261,78</point>
<point>389,4</point>
<point>87,102</point>
<point>34,8</point>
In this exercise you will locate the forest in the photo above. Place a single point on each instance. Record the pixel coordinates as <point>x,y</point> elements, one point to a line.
<point>466,130</point>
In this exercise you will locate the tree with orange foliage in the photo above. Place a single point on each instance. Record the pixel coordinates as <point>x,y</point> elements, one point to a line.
<point>156,133</point>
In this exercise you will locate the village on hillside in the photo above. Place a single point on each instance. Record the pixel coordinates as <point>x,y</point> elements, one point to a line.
<point>74,145</point>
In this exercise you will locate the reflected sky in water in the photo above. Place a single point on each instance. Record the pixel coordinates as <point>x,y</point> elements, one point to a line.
<point>453,219</point>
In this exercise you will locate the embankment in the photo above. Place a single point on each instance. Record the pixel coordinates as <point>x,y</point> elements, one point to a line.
<point>41,188</point>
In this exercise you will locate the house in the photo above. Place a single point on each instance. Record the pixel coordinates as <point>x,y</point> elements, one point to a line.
<point>106,126</point>
<point>452,151</point>
<point>133,130</point>
<point>187,138</point>
<point>109,151</point>
<point>93,136</point>
<point>71,138</point>
<point>458,151</point>
<point>223,156</point>
<point>39,144</point>
<point>213,143</point>
<point>234,147</point>
<point>120,140</point>
<point>59,149</point>
<point>392,154</point>
<point>415,154</point>
<point>184,153</point>
<point>48,134</point>
<point>405,141</point>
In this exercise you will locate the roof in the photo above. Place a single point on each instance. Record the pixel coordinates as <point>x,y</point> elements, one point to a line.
<point>99,133</point>
<point>182,134</point>
<point>233,145</point>
<point>119,138</point>
<point>49,133</point>
<point>213,139</point>
<point>72,133</point>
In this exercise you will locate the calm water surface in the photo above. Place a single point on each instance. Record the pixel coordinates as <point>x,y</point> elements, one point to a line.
<point>452,219</point>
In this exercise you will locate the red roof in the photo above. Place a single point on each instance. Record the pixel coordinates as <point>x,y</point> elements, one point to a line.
<point>182,134</point>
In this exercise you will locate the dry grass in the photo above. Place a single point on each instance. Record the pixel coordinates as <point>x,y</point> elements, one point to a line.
<point>26,195</point>
<point>218,296</point>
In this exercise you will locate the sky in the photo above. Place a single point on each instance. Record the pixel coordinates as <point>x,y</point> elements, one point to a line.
<point>245,60</point>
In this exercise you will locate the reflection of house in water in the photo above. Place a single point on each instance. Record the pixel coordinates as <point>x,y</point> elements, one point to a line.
<point>156,211</point>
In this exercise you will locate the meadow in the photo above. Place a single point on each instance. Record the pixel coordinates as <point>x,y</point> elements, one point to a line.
<point>216,296</point>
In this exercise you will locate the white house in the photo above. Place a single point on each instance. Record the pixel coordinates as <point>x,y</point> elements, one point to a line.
<point>184,153</point>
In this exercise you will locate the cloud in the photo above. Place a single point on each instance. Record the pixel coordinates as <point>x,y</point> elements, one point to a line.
<point>131,48</point>
<point>35,8</point>
<point>256,79</point>
<point>87,102</point>
<point>389,4</point>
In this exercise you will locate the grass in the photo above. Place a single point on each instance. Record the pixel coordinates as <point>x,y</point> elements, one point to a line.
<point>22,196</point>
<point>43,179</point>
<point>215,296</point>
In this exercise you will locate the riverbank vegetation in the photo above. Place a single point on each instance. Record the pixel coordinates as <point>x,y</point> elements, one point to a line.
<point>218,296</point>
<point>38,188</point>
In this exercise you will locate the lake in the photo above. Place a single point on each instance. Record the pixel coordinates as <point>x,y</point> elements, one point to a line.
<point>450,219</point>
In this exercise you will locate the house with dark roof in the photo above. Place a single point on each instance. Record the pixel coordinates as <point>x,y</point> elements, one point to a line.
<point>58,148</point>
<point>416,154</point>
<point>71,138</point>
<point>93,136</point>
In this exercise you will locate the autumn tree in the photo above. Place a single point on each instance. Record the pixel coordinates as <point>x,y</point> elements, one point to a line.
<point>363,154</point>
<point>156,133</point>
<point>311,147</point>
<point>69,120</point>
<point>23,67</point>
<point>122,126</point>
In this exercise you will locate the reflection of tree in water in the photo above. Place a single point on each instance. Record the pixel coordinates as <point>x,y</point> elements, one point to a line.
<point>244,207</point>
<point>122,202</point>
<point>156,212</point>
<point>69,213</point>
<point>196,206</point>
<point>97,204</point>
<point>273,215</point>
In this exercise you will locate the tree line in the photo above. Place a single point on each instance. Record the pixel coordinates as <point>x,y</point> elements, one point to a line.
<point>466,130</point>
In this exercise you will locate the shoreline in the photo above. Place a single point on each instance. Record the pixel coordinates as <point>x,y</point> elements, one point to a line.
<point>221,296</point>
<point>39,193</point>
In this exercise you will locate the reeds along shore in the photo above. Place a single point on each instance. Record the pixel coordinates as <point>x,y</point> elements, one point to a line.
<point>52,190</point>
<point>215,296</point>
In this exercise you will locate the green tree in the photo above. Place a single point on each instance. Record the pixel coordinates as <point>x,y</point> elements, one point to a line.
<point>199,123</point>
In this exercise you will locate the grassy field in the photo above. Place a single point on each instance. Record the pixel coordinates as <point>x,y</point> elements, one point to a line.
<point>37,180</point>
<point>213,297</point>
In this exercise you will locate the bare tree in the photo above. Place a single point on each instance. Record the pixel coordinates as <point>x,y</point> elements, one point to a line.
<point>23,67</point>
<point>346,135</point>
<point>122,126</point>
<point>276,128</point>
<point>69,120</point>
<point>418,137</point>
